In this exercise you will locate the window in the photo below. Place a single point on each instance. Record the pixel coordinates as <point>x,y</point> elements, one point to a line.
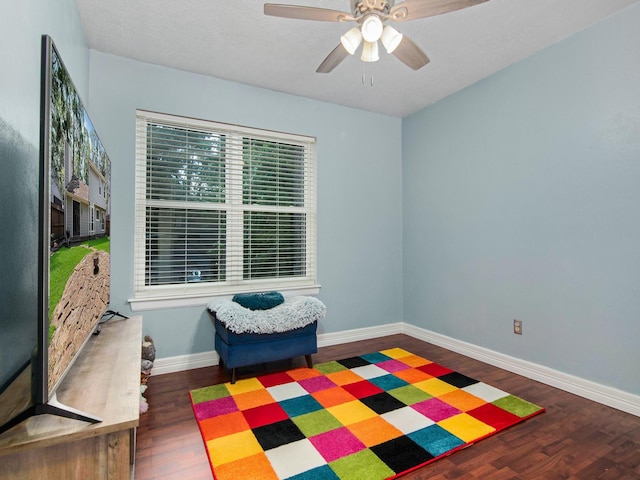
<point>221,209</point>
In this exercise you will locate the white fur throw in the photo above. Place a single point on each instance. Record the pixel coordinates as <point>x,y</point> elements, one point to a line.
<point>295,312</point>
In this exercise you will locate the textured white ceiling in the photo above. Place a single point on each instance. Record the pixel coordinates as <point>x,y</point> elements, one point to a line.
<point>234,40</point>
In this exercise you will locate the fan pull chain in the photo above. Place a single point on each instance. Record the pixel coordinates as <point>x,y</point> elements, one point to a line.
<point>364,75</point>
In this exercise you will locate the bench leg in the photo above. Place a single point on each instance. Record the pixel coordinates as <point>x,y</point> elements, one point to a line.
<point>309,360</point>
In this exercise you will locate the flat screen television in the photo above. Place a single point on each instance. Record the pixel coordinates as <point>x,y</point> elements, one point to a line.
<point>73,248</point>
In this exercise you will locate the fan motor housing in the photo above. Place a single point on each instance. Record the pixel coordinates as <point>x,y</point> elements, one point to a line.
<point>358,7</point>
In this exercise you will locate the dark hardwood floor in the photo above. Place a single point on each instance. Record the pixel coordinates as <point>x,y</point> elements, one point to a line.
<point>574,439</point>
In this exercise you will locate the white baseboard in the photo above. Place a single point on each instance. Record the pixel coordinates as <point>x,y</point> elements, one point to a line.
<point>612,397</point>
<point>181,363</point>
<point>207,359</point>
<point>355,335</point>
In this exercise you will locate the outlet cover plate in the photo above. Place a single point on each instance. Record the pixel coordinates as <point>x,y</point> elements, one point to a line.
<point>517,327</point>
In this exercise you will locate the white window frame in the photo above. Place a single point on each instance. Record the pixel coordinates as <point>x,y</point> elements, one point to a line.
<point>149,297</point>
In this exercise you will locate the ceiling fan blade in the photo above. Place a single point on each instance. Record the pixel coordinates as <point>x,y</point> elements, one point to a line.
<point>305,13</point>
<point>413,9</point>
<point>334,59</point>
<point>410,54</point>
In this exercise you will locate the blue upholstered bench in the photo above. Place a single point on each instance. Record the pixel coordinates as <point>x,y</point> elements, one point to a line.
<point>245,337</point>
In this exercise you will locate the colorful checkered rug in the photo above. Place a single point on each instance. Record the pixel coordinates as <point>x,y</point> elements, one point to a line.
<point>375,416</point>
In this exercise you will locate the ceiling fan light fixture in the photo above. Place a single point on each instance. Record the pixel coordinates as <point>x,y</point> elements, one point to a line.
<point>351,40</point>
<point>370,52</point>
<point>390,38</point>
<point>371,28</point>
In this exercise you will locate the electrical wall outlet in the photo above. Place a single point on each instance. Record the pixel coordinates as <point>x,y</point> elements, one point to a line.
<point>517,327</point>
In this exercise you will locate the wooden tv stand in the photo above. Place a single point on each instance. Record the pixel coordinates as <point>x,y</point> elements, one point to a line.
<point>104,381</point>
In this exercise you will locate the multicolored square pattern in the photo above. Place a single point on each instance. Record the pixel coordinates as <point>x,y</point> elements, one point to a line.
<point>371,417</point>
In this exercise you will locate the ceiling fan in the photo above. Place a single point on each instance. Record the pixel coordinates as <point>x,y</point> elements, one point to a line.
<point>371,16</point>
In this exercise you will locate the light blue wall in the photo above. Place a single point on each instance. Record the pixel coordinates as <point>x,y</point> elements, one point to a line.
<point>522,200</point>
<point>359,190</point>
<point>21,26</point>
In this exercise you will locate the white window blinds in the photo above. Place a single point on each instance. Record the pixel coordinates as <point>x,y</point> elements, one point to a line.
<point>221,208</point>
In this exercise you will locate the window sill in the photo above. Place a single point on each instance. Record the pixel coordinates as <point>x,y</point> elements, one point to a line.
<point>160,303</point>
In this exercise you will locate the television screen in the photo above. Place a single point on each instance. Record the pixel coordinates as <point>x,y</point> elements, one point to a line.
<point>73,250</point>
<point>79,213</point>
